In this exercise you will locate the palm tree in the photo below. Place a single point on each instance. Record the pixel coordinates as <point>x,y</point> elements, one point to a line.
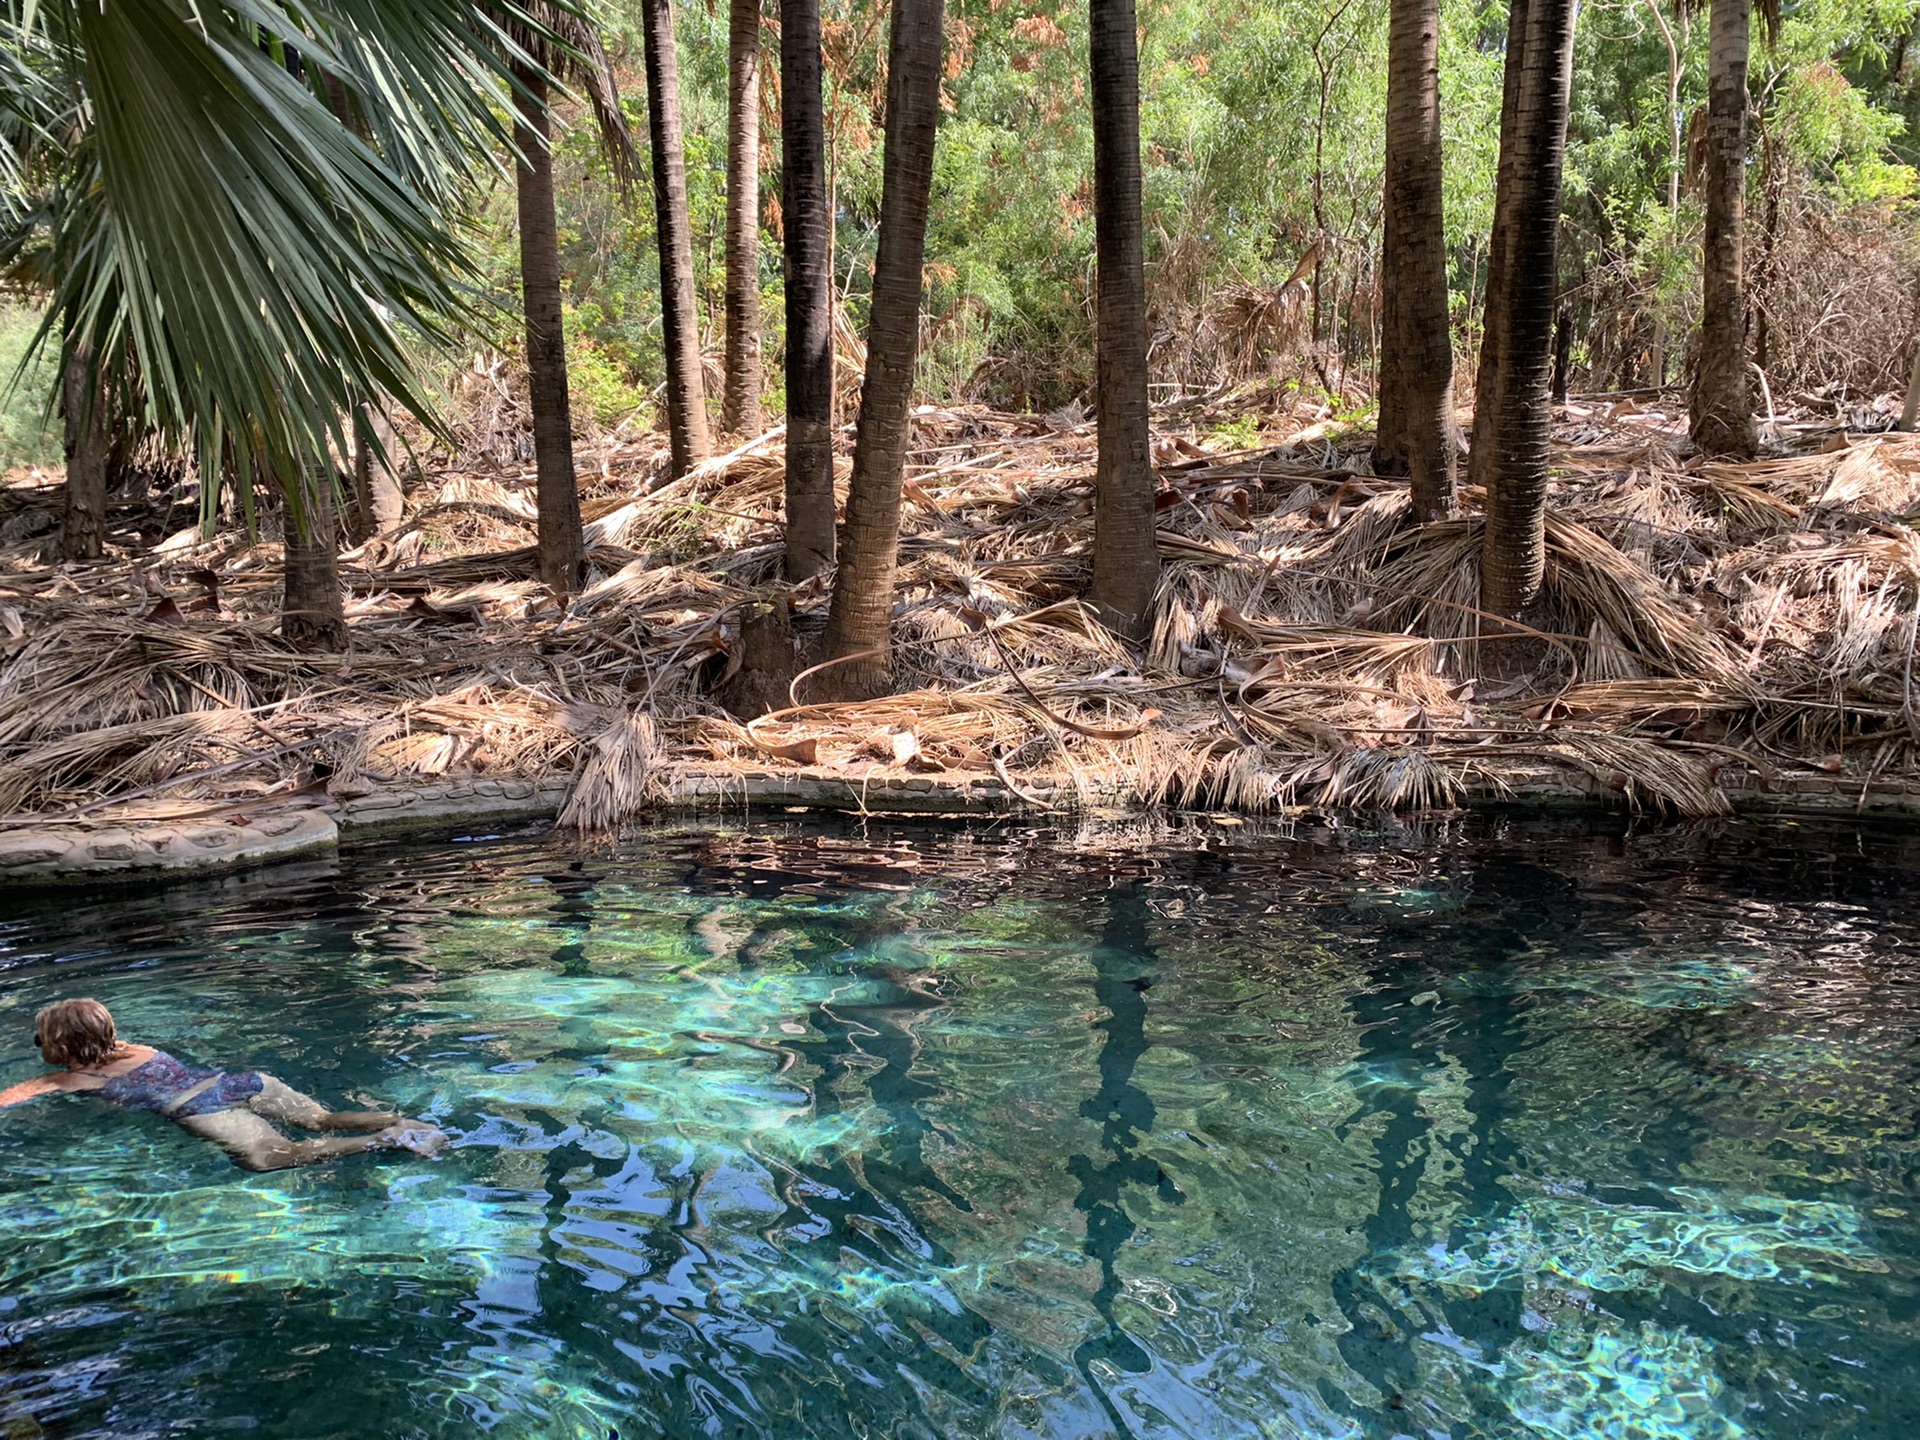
<point>556,487</point>
<point>1720,410</point>
<point>1416,401</point>
<point>83,530</point>
<point>378,496</point>
<point>1513,412</point>
<point>686,390</point>
<point>859,619</point>
<point>311,614</point>
<point>573,53</point>
<point>807,220</point>
<point>1126,557</point>
<point>228,240</point>
<point>740,407</point>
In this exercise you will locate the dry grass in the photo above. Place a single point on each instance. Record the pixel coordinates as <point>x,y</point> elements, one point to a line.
<point>1309,647</point>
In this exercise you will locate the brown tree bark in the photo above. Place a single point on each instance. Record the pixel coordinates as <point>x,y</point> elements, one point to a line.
<point>1390,424</point>
<point>312,616</point>
<point>557,491</point>
<point>859,620</point>
<point>1562,356</point>
<point>740,409</point>
<point>766,655</point>
<point>1489,360</point>
<point>1720,415</point>
<point>379,499</point>
<point>1513,412</point>
<point>1414,262</point>
<point>808,220</point>
<point>687,427</point>
<point>83,530</point>
<point>1126,555</point>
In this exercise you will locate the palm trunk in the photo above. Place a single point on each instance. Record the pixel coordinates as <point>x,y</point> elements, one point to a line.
<point>686,390</point>
<point>1720,417</point>
<point>1505,177</point>
<point>311,614</point>
<point>1390,391</point>
<point>379,499</point>
<point>1562,356</point>
<point>859,620</point>
<point>1513,406</point>
<point>741,409</point>
<point>557,493</point>
<point>83,532</point>
<point>1126,557</point>
<point>809,284</point>
<point>1415,262</point>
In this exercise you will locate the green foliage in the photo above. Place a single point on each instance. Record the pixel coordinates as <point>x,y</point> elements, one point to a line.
<point>245,266</point>
<point>1262,130</point>
<point>1239,434</point>
<point>597,379</point>
<point>28,433</point>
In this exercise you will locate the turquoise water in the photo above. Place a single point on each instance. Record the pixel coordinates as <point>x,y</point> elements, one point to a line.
<point>1487,1130</point>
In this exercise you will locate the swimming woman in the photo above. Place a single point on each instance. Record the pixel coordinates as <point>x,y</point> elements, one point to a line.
<point>232,1108</point>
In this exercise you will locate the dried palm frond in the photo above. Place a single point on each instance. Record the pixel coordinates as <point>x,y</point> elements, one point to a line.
<point>1640,770</point>
<point>1309,646</point>
<point>616,780</point>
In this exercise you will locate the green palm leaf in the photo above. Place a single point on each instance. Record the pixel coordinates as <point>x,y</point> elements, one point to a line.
<point>228,240</point>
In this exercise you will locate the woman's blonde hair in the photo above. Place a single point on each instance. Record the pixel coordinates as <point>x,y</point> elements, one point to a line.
<point>75,1032</point>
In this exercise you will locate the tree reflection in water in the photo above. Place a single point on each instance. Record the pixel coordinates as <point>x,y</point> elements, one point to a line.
<point>1123,974</point>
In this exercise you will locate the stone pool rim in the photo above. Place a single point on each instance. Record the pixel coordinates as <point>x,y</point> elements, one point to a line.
<point>262,832</point>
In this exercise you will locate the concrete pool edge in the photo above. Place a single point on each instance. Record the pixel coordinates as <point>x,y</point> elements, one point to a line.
<point>254,833</point>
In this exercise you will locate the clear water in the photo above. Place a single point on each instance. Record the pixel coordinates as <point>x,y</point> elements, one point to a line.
<point>1493,1131</point>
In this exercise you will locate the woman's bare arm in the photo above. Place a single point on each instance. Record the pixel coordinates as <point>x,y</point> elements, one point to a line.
<point>30,1090</point>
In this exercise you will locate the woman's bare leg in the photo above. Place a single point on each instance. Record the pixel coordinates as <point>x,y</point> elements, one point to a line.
<point>255,1145</point>
<point>280,1101</point>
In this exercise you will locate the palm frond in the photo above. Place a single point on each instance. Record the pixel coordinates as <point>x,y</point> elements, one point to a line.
<point>250,257</point>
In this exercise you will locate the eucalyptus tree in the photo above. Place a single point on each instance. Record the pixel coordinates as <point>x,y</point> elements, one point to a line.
<point>859,621</point>
<point>1513,413</point>
<point>227,240</point>
<point>807,222</point>
<point>1416,435</point>
<point>566,47</point>
<point>687,427</point>
<point>1126,557</point>
<point>1720,409</point>
<point>740,403</point>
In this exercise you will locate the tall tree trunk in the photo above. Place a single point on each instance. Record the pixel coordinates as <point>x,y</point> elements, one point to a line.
<point>1720,417</point>
<point>1390,428</point>
<point>859,621</point>
<point>1513,405</point>
<point>378,496</point>
<point>557,493</point>
<point>83,531</point>
<point>686,389</point>
<point>808,225</point>
<point>1562,356</point>
<point>1505,178</point>
<point>740,411</point>
<point>1126,556</point>
<point>1415,261</point>
<point>311,614</point>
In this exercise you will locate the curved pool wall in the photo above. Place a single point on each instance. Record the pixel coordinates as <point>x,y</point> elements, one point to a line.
<point>1491,1128</point>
